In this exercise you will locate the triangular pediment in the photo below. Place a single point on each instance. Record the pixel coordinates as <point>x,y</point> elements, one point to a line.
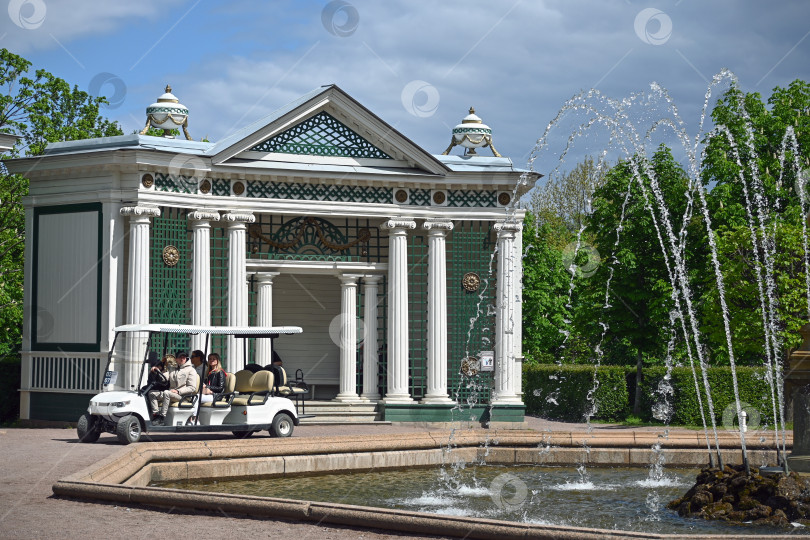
<point>321,135</point>
<point>325,127</point>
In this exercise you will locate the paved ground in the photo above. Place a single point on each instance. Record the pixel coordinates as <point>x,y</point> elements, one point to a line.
<point>33,459</point>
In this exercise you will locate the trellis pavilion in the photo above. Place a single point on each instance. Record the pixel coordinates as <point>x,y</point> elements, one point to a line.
<point>402,267</point>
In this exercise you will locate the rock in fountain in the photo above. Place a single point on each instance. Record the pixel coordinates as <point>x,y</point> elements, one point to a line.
<point>733,495</point>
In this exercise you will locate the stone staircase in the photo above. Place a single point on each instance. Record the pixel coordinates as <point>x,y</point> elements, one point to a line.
<point>333,412</point>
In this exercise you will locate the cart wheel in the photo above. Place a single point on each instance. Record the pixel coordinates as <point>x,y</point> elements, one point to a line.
<point>128,429</point>
<point>87,429</point>
<point>282,425</point>
<point>243,434</point>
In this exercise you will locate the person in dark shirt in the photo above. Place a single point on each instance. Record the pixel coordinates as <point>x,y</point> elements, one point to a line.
<point>213,386</point>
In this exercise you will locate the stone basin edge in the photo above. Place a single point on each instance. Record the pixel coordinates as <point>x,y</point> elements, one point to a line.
<point>106,480</point>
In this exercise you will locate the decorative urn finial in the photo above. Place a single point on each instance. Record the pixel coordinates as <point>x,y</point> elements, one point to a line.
<point>167,113</point>
<point>471,133</point>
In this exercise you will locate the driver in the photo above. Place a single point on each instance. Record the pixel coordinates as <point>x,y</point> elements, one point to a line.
<point>182,382</point>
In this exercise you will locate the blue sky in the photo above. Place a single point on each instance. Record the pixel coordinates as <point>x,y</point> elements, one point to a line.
<point>418,65</point>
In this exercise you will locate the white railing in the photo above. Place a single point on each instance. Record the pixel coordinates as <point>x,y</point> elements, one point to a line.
<point>62,371</point>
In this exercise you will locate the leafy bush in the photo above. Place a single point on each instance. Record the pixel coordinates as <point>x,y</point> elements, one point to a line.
<point>561,392</point>
<point>753,389</point>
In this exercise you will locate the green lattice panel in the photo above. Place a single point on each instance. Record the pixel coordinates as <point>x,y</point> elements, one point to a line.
<point>219,288</point>
<point>417,313</point>
<point>221,187</point>
<point>471,320</point>
<point>321,135</point>
<point>316,192</point>
<point>420,197</point>
<point>170,286</point>
<point>175,183</point>
<point>476,199</point>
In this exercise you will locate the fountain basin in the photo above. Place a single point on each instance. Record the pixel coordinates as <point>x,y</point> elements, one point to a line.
<point>125,476</point>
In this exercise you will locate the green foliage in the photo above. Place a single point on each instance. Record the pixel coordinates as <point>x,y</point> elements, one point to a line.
<point>560,392</point>
<point>639,300</point>
<point>545,286</point>
<point>41,109</point>
<point>749,156</point>
<point>762,147</point>
<point>753,391</point>
<point>564,200</point>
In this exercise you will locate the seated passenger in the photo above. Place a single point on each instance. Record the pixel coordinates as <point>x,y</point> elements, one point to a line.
<point>197,357</point>
<point>182,382</point>
<point>157,379</point>
<point>253,368</point>
<point>213,386</point>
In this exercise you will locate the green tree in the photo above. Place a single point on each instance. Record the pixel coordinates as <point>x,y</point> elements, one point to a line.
<point>752,152</point>
<point>566,199</point>
<point>545,290</point>
<point>639,297</point>
<point>40,109</point>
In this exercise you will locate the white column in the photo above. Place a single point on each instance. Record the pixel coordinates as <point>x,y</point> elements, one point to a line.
<point>264,315</point>
<point>371,371</point>
<point>137,291</point>
<point>518,294</point>
<point>201,271</point>
<point>348,339</point>
<point>437,311</point>
<point>237,276</point>
<point>398,309</point>
<point>504,392</point>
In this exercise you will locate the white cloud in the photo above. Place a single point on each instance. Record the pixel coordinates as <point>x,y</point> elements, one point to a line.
<point>55,22</point>
<point>516,63</point>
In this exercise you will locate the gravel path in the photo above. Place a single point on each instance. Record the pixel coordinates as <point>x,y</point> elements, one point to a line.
<point>33,459</point>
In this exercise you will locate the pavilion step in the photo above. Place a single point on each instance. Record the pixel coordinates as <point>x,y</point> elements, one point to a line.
<point>325,412</point>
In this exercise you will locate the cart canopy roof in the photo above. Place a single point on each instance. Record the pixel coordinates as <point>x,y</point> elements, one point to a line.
<point>243,331</point>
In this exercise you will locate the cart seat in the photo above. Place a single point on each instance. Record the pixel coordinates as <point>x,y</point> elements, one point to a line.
<point>253,388</point>
<point>297,389</point>
<point>227,395</point>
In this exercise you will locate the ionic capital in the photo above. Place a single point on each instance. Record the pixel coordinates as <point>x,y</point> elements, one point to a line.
<point>239,217</point>
<point>504,228</point>
<point>140,211</point>
<point>349,280</point>
<point>437,225</point>
<point>203,215</point>
<point>398,223</point>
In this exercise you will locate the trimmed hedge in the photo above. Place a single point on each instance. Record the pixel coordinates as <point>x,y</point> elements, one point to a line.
<point>560,392</point>
<point>753,389</point>
<point>9,389</point>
